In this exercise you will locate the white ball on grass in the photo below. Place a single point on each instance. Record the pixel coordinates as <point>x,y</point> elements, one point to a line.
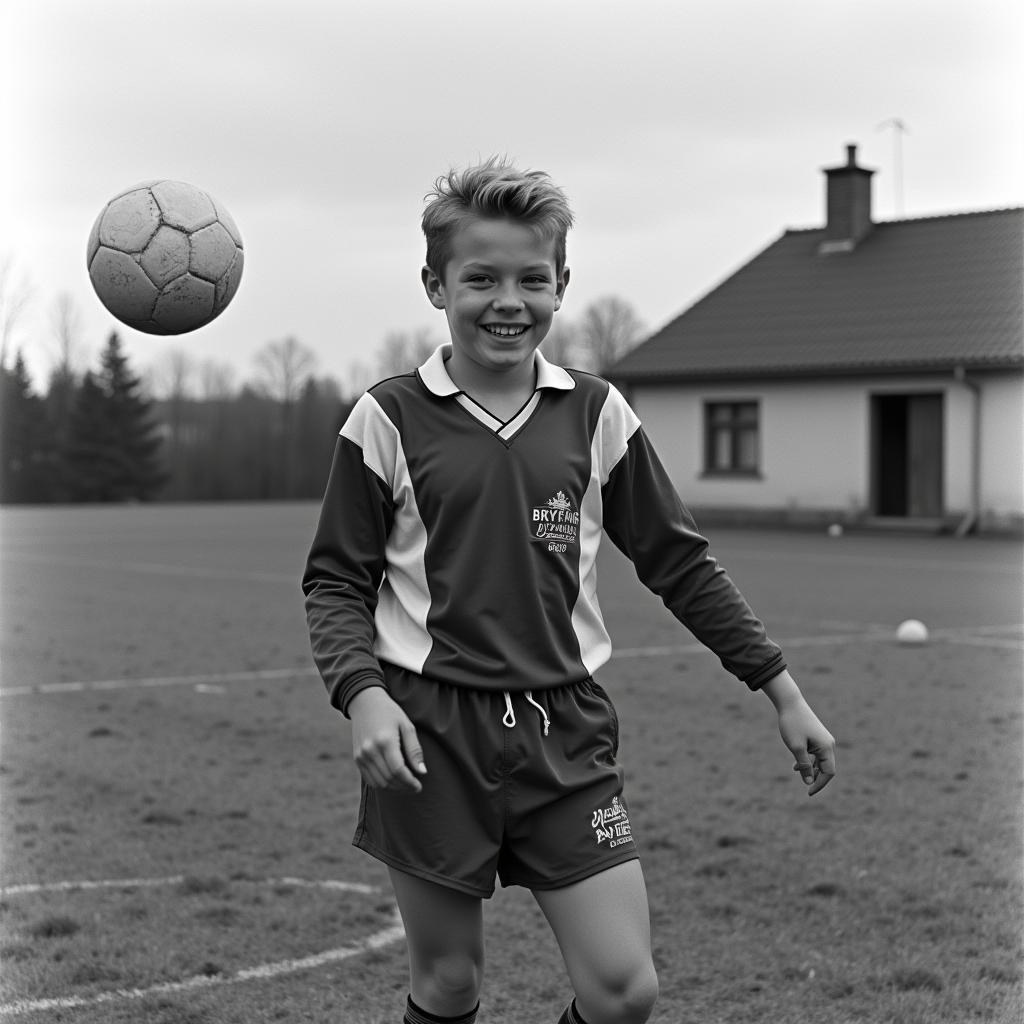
<point>912,631</point>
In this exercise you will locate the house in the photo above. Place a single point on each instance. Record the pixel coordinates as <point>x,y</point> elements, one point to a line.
<point>862,373</point>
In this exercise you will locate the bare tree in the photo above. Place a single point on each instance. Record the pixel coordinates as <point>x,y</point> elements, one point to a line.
<point>358,378</point>
<point>67,328</point>
<point>14,299</point>
<point>284,367</point>
<point>170,379</point>
<point>216,381</point>
<point>171,375</point>
<point>607,330</point>
<point>402,351</point>
<point>560,345</point>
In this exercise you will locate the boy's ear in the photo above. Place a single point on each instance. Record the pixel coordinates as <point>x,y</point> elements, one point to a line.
<point>433,286</point>
<point>560,285</point>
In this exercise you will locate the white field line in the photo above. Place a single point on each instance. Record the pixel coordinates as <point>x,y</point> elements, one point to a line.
<point>883,561</point>
<point>267,675</point>
<point>976,636</point>
<point>29,888</point>
<point>392,932</point>
<point>824,640</point>
<point>159,568</point>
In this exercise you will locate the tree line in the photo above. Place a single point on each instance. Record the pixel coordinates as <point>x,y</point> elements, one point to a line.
<point>185,433</point>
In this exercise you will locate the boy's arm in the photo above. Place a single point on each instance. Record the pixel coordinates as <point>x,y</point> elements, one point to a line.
<point>646,520</point>
<point>343,572</point>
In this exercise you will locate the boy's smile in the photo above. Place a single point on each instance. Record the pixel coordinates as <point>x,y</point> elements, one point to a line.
<point>500,291</point>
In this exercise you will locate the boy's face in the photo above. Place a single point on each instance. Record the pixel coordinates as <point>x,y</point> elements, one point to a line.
<point>499,292</point>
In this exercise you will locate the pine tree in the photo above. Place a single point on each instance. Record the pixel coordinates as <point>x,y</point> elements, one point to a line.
<point>24,438</point>
<point>114,449</point>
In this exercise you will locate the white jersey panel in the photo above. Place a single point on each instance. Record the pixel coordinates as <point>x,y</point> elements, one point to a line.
<point>404,598</point>
<point>618,424</point>
<point>615,426</point>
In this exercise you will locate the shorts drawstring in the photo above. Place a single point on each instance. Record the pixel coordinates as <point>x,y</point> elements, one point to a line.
<point>543,713</point>
<point>509,719</point>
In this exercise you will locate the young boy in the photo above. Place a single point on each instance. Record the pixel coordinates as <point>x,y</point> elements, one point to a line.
<point>453,614</point>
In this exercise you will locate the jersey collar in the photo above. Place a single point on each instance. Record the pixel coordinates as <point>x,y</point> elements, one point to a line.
<point>434,374</point>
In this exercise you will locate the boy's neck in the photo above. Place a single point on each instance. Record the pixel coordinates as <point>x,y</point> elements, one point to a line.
<point>507,387</point>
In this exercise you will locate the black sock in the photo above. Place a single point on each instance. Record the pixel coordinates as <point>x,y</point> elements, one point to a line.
<point>571,1015</point>
<point>417,1015</point>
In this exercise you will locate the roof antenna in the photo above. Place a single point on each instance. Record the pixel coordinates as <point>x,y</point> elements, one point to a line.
<point>899,129</point>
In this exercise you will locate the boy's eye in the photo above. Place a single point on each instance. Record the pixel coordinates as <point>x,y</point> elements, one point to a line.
<point>535,279</point>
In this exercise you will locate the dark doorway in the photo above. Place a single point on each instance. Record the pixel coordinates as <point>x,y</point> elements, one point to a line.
<point>906,455</point>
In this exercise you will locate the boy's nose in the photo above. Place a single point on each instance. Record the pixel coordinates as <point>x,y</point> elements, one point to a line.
<point>508,298</point>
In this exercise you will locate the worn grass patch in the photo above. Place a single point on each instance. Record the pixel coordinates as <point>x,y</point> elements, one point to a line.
<point>83,942</point>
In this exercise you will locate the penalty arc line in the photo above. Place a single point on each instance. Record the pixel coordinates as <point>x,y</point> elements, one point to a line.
<point>394,931</point>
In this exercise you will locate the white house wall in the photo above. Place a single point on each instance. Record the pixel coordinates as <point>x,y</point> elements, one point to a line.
<point>1002,446</point>
<point>816,442</point>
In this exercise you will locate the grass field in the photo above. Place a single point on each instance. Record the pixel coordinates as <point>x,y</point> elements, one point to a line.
<point>178,798</point>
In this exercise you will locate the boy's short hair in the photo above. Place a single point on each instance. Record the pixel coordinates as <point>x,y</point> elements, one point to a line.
<point>495,189</point>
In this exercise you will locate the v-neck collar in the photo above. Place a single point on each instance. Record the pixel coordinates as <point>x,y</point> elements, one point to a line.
<point>436,379</point>
<point>434,374</point>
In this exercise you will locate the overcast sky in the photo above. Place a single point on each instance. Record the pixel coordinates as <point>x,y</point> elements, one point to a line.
<point>687,135</point>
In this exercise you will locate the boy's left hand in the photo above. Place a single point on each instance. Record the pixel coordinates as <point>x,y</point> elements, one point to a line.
<point>810,743</point>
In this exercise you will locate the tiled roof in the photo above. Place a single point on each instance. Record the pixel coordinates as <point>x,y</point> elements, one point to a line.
<point>933,292</point>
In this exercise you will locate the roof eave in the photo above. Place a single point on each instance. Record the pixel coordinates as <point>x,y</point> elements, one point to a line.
<point>684,375</point>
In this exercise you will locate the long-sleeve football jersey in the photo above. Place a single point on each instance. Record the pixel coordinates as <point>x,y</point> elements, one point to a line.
<point>465,549</point>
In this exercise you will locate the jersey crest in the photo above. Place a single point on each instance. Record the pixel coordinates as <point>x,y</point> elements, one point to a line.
<point>557,521</point>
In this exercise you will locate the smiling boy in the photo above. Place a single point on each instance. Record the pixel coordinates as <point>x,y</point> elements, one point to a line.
<point>451,595</point>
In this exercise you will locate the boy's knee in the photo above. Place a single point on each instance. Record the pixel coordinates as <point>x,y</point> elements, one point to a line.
<point>627,996</point>
<point>640,995</point>
<point>452,979</point>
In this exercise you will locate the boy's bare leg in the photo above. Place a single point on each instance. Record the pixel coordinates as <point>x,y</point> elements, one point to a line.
<point>445,933</point>
<point>603,928</point>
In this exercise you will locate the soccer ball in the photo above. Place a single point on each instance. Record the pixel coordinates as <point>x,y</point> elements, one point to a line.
<point>912,631</point>
<point>165,257</point>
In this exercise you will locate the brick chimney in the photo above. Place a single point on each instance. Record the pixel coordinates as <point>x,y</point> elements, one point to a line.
<point>847,205</point>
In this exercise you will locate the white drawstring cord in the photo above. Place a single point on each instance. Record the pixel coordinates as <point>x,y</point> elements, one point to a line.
<point>543,713</point>
<point>509,719</point>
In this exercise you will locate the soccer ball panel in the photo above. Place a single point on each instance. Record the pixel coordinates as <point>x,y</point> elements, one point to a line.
<point>185,304</point>
<point>136,188</point>
<point>225,218</point>
<point>94,240</point>
<point>183,205</point>
<point>213,249</point>
<point>122,285</point>
<point>130,221</point>
<point>166,257</point>
<point>228,284</point>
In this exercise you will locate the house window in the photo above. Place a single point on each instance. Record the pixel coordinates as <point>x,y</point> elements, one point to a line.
<point>732,438</point>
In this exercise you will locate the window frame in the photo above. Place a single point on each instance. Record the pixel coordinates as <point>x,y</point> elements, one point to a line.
<point>742,419</point>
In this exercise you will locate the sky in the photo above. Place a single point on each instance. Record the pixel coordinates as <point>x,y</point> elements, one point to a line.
<point>688,136</point>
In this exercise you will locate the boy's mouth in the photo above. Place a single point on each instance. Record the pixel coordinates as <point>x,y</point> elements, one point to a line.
<point>505,330</point>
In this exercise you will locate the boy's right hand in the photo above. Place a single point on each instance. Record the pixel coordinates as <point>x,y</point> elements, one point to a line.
<point>384,742</point>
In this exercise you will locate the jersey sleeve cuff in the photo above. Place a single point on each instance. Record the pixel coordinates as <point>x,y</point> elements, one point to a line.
<point>769,670</point>
<point>342,694</point>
